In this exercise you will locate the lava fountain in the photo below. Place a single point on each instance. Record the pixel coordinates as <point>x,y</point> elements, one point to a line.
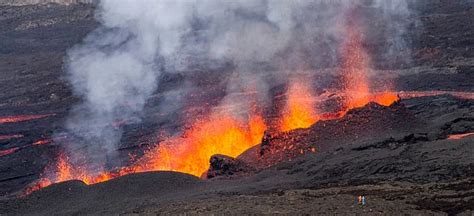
<point>300,111</point>
<point>355,67</point>
<point>220,134</point>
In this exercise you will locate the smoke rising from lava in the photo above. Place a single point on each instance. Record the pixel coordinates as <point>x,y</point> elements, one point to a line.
<point>119,65</point>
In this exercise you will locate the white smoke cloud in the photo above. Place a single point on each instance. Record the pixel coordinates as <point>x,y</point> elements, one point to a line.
<point>397,15</point>
<point>117,67</point>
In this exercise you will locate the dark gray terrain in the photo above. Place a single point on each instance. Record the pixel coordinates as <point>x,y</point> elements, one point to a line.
<point>399,157</point>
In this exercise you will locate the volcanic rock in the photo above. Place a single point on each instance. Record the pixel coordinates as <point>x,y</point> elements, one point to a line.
<point>224,166</point>
<point>357,126</point>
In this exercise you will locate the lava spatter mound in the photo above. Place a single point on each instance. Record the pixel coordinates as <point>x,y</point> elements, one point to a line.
<point>370,122</point>
<point>224,166</point>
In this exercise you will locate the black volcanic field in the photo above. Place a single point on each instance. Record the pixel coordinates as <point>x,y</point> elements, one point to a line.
<point>399,157</point>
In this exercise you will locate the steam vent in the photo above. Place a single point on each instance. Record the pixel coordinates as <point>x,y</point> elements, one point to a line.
<point>243,107</point>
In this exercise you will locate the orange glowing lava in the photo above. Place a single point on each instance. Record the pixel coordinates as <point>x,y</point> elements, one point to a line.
<point>8,151</point>
<point>62,170</point>
<point>384,98</point>
<point>190,153</point>
<point>221,134</point>
<point>300,111</point>
<point>355,67</point>
<point>460,136</point>
<point>20,118</point>
<point>42,142</point>
<point>415,94</point>
<point>8,137</point>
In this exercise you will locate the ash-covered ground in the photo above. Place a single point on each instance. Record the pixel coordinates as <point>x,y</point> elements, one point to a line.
<point>399,157</point>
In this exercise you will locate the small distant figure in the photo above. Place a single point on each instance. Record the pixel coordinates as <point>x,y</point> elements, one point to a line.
<point>361,200</point>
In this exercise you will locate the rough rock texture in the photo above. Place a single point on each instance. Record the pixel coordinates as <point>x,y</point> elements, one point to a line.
<point>224,166</point>
<point>367,123</point>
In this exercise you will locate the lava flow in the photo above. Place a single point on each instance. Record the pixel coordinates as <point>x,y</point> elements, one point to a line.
<point>415,94</point>
<point>42,142</point>
<point>15,149</point>
<point>8,137</point>
<point>21,118</point>
<point>460,136</point>
<point>8,151</point>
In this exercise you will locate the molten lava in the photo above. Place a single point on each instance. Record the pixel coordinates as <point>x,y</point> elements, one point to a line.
<point>384,98</point>
<point>460,136</point>
<point>300,111</point>
<point>15,149</point>
<point>20,118</point>
<point>354,69</point>
<point>221,134</point>
<point>63,170</point>
<point>8,137</point>
<point>415,94</point>
<point>42,142</point>
<point>8,151</point>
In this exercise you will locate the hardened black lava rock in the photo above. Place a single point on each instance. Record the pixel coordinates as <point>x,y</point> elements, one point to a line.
<point>226,166</point>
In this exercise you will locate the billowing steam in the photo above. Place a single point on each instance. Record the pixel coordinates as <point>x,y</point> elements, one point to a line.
<point>115,70</point>
<point>118,66</point>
